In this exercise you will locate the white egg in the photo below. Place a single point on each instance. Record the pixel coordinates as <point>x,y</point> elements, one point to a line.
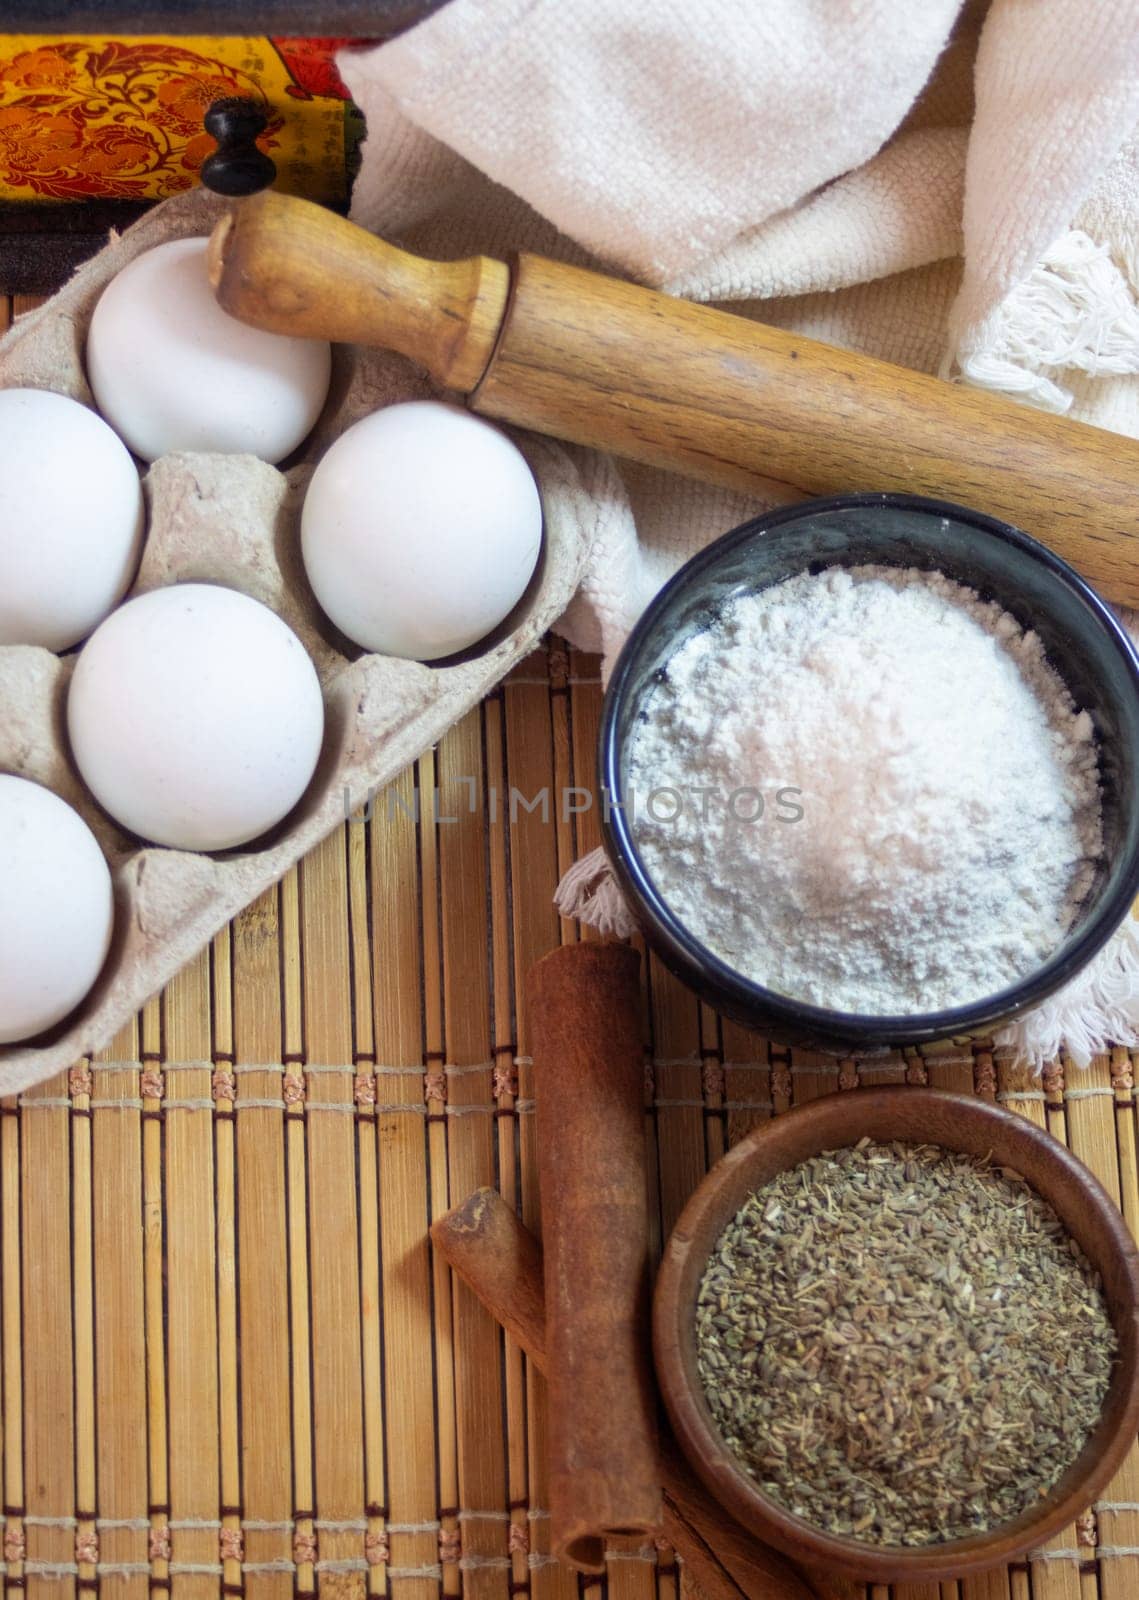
<point>172,371</point>
<point>71,519</point>
<point>56,909</point>
<point>421,529</point>
<point>195,717</point>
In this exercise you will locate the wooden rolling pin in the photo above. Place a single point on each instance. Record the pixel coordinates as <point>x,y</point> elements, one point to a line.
<point>600,362</point>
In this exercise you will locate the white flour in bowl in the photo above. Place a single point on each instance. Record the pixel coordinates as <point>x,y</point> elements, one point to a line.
<point>947,824</point>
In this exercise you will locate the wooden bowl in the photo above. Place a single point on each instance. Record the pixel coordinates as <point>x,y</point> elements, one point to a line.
<point>926,1116</point>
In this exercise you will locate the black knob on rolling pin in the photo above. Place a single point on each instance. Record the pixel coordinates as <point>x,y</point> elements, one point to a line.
<point>237,167</point>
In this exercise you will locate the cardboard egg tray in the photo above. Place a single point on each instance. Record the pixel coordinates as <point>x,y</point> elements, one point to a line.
<point>234,520</point>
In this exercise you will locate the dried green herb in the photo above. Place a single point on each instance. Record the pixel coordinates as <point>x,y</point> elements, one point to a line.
<point>902,1343</point>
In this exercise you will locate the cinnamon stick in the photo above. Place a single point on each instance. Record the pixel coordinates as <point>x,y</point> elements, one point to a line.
<point>501,1261</point>
<point>584,1009</point>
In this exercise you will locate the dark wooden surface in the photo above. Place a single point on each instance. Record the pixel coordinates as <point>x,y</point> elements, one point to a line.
<point>927,1116</point>
<point>43,241</point>
<point>366,19</point>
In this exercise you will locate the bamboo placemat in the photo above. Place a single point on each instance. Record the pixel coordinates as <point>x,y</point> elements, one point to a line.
<point>228,1360</point>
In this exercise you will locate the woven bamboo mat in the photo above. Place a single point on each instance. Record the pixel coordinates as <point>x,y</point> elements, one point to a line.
<point>228,1360</point>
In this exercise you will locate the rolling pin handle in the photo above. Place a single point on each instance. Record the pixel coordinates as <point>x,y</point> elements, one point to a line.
<point>291,267</point>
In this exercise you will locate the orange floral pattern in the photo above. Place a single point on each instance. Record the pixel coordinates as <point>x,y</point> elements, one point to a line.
<point>122,119</point>
<point>311,64</point>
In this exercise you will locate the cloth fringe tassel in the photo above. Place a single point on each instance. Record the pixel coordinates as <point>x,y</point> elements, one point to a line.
<point>590,892</point>
<point>1099,1008</point>
<point>1076,309</point>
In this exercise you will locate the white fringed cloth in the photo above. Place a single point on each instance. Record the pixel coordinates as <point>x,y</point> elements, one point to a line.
<point>954,188</point>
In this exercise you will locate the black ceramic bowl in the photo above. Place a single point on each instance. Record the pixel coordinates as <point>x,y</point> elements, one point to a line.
<point>1082,638</point>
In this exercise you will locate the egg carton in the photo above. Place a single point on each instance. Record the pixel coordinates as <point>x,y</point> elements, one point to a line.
<point>234,520</point>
